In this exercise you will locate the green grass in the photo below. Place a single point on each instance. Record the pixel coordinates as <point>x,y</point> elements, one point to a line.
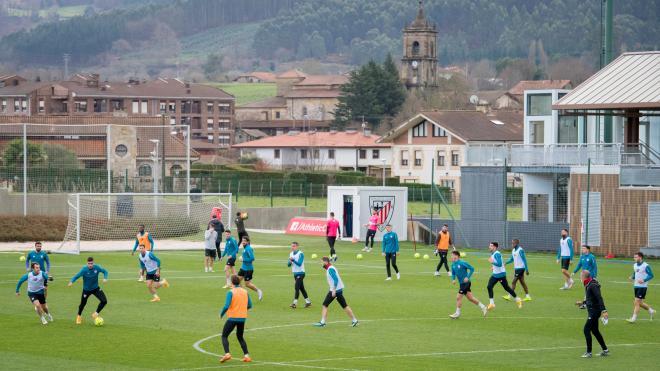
<point>404,324</point>
<point>417,208</point>
<point>248,92</point>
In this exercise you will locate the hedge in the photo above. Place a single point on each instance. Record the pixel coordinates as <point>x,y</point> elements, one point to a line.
<point>32,228</point>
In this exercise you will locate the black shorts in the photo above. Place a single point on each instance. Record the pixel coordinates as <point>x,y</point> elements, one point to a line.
<point>331,240</point>
<point>520,273</point>
<point>339,295</point>
<point>371,233</point>
<point>34,296</point>
<point>231,261</point>
<point>210,253</point>
<point>465,287</point>
<point>247,275</point>
<point>241,235</point>
<point>153,277</point>
<point>640,292</point>
<point>565,263</point>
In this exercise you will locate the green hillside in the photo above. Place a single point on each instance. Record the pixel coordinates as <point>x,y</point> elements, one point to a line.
<point>246,92</point>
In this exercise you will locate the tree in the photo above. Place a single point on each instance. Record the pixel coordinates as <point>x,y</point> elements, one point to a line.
<point>373,92</point>
<point>61,157</point>
<point>13,154</point>
<point>213,66</point>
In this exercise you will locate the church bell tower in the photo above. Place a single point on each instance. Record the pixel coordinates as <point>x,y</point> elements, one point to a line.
<point>419,65</point>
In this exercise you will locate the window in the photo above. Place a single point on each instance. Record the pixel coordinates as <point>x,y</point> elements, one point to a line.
<point>404,158</point>
<point>363,154</point>
<point>171,107</point>
<point>304,110</point>
<point>419,130</point>
<point>224,108</point>
<point>539,104</point>
<point>454,158</point>
<point>568,129</point>
<point>447,184</point>
<point>276,153</point>
<point>135,107</point>
<point>42,105</point>
<point>143,107</point>
<point>24,103</point>
<point>162,107</point>
<point>438,131</point>
<point>331,154</point>
<point>303,153</point>
<point>210,138</point>
<point>415,48</point>
<point>209,108</point>
<point>80,105</point>
<point>441,159</point>
<point>3,105</point>
<point>223,124</point>
<point>277,114</point>
<point>375,154</point>
<point>144,170</point>
<point>100,105</point>
<point>537,132</point>
<point>20,105</point>
<point>418,158</point>
<point>209,124</point>
<point>224,140</point>
<point>175,169</point>
<point>316,153</point>
<point>172,121</point>
<point>117,105</point>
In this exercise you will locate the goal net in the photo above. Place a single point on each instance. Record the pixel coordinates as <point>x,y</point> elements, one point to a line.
<point>109,222</point>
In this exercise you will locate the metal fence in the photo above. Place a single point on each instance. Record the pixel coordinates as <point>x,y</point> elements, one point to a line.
<point>41,159</point>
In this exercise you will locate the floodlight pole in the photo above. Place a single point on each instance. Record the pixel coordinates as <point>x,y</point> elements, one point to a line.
<point>25,154</point>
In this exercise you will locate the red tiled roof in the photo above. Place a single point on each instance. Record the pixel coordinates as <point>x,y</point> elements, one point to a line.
<point>292,74</point>
<point>313,93</point>
<point>519,88</point>
<point>264,76</point>
<point>281,124</point>
<point>316,139</point>
<point>323,80</point>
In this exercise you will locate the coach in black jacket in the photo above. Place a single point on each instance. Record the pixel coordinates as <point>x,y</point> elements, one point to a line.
<point>595,308</point>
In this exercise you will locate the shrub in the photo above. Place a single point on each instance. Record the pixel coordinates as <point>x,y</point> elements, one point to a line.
<point>32,228</point>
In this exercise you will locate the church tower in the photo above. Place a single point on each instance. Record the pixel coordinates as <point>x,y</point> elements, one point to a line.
<point>419,65</point>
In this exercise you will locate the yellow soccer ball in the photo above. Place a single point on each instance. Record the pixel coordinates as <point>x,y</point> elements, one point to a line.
<point>463,254</point>
<point>244,215</point>
<point>22,258</point>
<point>99,321</point>
<point>314,256</point>
<point>359,256</point>
<point>426,257</point>
<point>417,255</point>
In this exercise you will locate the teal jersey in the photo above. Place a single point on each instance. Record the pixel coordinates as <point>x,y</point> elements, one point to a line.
<point>231,248</point>
<point>461,270</point>
<point>588,263</point>
<point>90,277</point>
<point>390,243</point>
<point>248,258</point>
<point>40,257</point>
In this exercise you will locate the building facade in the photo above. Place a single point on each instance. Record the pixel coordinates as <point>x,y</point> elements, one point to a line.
<point>209,112</point>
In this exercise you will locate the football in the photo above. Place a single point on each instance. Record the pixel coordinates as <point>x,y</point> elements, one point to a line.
<point>22,258</point>
<point>98,321</point>
<point>244,215</point>
<point>417,255</point>
<point>463,254</point>
<point>359,256</point>
<point>314,256</point>
<point>426,256</point>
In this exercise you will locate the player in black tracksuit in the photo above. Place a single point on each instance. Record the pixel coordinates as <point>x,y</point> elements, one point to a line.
<point>595,308</point>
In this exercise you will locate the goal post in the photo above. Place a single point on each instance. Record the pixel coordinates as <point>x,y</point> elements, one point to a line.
<point>109,222</point>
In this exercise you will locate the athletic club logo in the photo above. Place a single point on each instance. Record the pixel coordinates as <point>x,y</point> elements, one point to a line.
<point>385,207</point>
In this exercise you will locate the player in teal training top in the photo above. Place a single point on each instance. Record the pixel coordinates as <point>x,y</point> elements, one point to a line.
<point>38,256</point>
<point>231,250</point>
<point>587,263</point>
<point>151,264</point>
<point>37,285</point>
<point>246,272</point>
<point>462,271</point>
<point>90,275</point>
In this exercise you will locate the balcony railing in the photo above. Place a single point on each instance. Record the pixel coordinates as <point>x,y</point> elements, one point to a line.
<point>544,155</point>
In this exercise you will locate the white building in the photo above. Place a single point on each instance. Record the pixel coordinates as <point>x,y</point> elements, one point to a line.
<point>441,137</point>
<point>334,150</point>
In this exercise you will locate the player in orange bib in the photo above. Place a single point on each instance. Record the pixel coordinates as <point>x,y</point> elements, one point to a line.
<point>236,308</point>
<point>442,244</point>
<point>143,238</point>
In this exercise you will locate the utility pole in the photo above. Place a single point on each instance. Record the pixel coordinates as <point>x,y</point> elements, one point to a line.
<point>67,58</point>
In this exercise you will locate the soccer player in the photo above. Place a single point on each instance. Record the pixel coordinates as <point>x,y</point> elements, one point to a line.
<point>210,247</point>
<point>336,292</point>
<point>587,262</point>
<point>90,275</point>
<point>151,264</point>
<point>40,257</point>
<point>520,267</point>
<point>390,246</point>
<point>219,229</point>
<point>595,308</point>
<point>332,231</point>
<point>297,264</point>
<point>463,271</point>
<point>247,269</point>
<point>37,285</point>
<point>372,227</point>
<point>143,238</point>
<point>236,308</point>
<point>565,255</point>
<point>240,226</point>
<point>499,275</point>
<point>641,276</point>
<point>231,250</point>
<point>442,246</point>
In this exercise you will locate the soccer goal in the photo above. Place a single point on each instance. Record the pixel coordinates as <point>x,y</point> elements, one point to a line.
<point>109,222</point>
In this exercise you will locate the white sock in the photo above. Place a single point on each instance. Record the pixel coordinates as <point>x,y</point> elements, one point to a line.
<point>307,300</point>
<point>492,301</point>
<point>322,320</point>
<point>458,310</point>
<point>481,305</point>
<point>354,319</point>
<point>518,298</point>
<point>527,295</point>
<point>634,317</point>
<point>295,301</point>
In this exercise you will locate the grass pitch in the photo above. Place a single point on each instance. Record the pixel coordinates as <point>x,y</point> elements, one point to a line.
<point>404,324</point>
